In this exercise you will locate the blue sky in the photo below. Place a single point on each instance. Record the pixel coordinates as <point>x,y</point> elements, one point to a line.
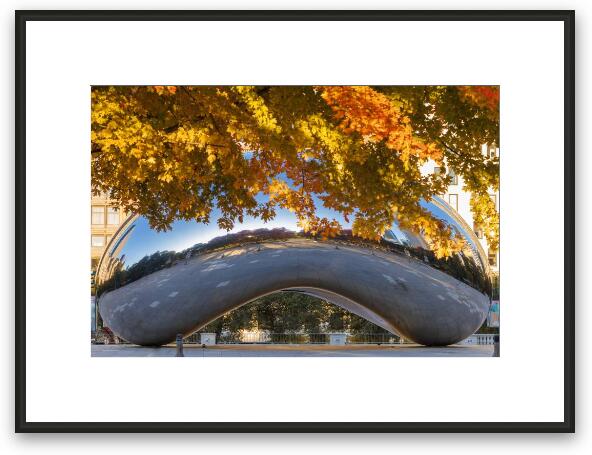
<point>184,234</point>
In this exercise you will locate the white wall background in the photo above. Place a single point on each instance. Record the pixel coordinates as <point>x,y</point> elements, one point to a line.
<point>148,444</point>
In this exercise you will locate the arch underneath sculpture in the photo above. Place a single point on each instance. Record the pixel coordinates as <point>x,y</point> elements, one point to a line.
<point>293,314</point>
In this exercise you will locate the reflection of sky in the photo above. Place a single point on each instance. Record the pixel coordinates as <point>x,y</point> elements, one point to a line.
<point>185,234</point>
<point>403,238</point>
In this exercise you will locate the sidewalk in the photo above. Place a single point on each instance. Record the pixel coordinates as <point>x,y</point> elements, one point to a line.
<point>293,350</point>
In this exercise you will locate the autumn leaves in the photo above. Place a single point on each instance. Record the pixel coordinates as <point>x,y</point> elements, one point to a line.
<point>377,118</point>
<point>175,152</point>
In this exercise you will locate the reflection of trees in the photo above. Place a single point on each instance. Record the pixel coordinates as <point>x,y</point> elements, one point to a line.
<point>249,236</point>
<point>461,266</point>
<point>290,312</point>
<point>147,265</point>
<point>118,276</point>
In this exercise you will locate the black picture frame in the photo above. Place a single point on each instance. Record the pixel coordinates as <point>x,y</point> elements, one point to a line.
<point>568,423</point>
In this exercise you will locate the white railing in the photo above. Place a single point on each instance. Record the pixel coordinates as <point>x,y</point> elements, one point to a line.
<point>324,338</point>
<point>480,338</point>
<point>306,338</point>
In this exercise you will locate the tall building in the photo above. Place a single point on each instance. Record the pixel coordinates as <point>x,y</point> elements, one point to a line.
<point>460,201</point>
<point>104,221</point>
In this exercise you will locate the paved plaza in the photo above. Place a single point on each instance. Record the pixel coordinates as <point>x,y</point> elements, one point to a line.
<point>408,350</point>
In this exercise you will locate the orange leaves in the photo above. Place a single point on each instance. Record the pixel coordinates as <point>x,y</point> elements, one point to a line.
<point>165,89</point>
<point>484,96</point>
<point>376,118</point>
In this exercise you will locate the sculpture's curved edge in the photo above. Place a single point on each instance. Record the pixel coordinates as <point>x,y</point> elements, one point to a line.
<point>359,310</point>
<point>330,297</point>
<point>186,296</point>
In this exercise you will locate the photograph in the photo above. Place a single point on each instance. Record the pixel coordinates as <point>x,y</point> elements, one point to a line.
<point>295,220</point>
<point>299,221</point>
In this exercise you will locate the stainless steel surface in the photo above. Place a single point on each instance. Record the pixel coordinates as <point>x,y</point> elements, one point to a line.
<point>153,286</point>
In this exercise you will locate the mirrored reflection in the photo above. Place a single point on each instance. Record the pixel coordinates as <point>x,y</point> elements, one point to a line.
<point>154,285</point>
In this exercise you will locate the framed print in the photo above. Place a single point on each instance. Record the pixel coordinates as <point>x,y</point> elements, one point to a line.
<point>295,221</point>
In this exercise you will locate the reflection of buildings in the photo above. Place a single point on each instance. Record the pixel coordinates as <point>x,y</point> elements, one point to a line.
<point>459,200</point>
<point>468,266</point>
<point>114,259</point>
<point>105,220</point>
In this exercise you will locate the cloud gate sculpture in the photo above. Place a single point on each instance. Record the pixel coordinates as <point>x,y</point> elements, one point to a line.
<point>153,286</point>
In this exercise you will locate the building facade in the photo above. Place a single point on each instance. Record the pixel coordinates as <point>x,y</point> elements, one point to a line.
<point>105,219</point>
<point>460,201</point>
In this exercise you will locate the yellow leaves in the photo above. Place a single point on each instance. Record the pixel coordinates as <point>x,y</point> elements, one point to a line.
<point>257,107</point>
<point>211,158</point>
<point>278,188</point>
<point>315,127</point>
<point>440,238</point>
<point>281,193</point>
<point>139,153</point>
<point>323,227</point>
<point>166,177</point>
<point>448,248</point>
<point>485,215</point>
<point>176,152</point>
<point>366,230</point>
